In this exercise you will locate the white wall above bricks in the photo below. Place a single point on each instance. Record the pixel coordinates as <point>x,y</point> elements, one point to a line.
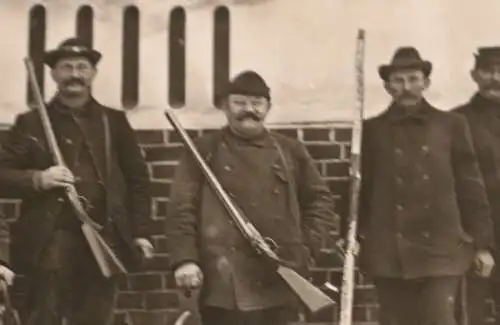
<point>305,50</point>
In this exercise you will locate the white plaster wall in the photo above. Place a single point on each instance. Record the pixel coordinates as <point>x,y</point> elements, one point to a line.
<point>304,49</point>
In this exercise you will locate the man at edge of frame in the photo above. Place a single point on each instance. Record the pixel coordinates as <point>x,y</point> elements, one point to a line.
<point>424,214</point>
<point>483,115</point>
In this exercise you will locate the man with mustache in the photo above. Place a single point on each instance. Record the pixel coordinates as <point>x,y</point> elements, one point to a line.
<point>274,181</point>
<point>483,114</point>
<point>105,164</point>
<point>424,214</point>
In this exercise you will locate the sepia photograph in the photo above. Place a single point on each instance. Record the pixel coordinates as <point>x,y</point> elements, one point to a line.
<point>250,162</point>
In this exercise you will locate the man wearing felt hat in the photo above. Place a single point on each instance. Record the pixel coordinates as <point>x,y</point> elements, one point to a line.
<point>274,181</point>
<point>424,215</point>
<point>105,165</point>
<point>483,114</point>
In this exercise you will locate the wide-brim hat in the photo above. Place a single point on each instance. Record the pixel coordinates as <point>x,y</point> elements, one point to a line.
<point>487,56</point>
<point>71,47</point>
<point>405,58</point>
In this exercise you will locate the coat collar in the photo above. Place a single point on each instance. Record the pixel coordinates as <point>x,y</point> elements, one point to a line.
<point>263,140</point>
<point>398,114</point>
<point>485,105</point>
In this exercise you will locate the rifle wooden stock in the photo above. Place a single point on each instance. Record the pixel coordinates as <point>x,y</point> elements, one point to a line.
<point>106,259</point>
<point>348,276</point>
<point>313,298</point>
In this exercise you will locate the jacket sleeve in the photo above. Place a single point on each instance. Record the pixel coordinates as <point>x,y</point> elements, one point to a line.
<point>319,220</point>
<point>469,187</point>
<point>182,224</point>
<point>17,175</point>
<point>136,176</point>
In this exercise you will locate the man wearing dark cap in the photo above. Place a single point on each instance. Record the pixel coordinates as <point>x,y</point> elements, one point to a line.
<point>483,114</point>
<point>424,214</point>
<point>274,181</point>
<point>105,165</point>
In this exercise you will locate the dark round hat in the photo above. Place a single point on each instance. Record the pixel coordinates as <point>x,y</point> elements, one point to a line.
<point>405,58</point>
<point>248,83</point>
<point>487,56</point>
<point>71,47</point>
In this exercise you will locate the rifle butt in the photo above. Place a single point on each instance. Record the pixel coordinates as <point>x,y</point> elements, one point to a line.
<point>106,259</point>
<point>313,298</point>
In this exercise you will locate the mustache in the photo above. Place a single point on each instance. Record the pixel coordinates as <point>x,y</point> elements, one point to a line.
<point>250,115</point>
<point>74,81</point>
<point>408,95</point>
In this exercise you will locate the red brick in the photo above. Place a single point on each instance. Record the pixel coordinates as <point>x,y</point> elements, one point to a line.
<point>161,300</point>
<point>316,135</point>
<point>160,208</point>
<point>9,209</point>
<point>360,314</point>
<point>160,244</point>
<point>347,152</point>
<point>123,283</point>
<point>337,169</point>
<point>170,153</point>
<point>130,300</point>
<point>151,281</point>
<point>169,280</point>
<point>343,134</point>
<point>373,313</point>
<point>158,263</point>
<point>148,317</point>
<point>150,137</point>
<point>159,189</point>
<point>162,171</point>
<point>173,136</point>
<point>324,151</point>
<point>291,133</point>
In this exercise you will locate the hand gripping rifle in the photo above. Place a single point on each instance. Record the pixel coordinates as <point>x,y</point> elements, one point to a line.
<point>348,276</point>
<point>311,296</point>
<point>106,259</point>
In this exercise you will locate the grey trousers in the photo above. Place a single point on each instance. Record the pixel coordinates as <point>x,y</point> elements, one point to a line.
<point>68,286</point>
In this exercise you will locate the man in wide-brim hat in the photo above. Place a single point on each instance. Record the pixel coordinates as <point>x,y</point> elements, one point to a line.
<point>424,215</point>
<point>274,181</point>
<point>483,114</point>
<point>105,164</point>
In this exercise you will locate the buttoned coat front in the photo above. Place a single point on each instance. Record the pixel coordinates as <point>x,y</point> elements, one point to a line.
<point>293,208</point>
<point>424,209</point>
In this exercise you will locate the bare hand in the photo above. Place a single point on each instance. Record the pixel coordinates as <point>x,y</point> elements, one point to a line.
<point>7,274</point>
<point>483,263</point>
<point>342,245</point>
<point>145,246</point>
<point>188,276</point>
<point>56,176</point>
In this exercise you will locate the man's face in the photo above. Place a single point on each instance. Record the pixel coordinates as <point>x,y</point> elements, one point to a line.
<point>488,81</point>
<point>73,76</point>
<point>246,114</point>
<point>406,86</point>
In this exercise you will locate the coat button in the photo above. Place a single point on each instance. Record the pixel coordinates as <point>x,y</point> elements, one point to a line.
<point>399,180</point>
<point>276,191</point>
<point>68,141</point>
<point>425,177</point>
<point>425,149</point>
<point>398,151</point>
<point>426,234</point>
<point>227,168</point>
<point>60,199</point>
<point>399,207</point>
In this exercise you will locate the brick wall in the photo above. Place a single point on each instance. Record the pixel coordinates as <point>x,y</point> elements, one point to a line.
<point>149,298</point>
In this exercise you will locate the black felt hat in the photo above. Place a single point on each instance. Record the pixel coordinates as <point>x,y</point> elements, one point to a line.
<point>487,56</point>
<point>71,47</point>
<point>405,58</point>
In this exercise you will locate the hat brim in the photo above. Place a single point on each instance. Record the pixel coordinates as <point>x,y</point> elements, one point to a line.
<point>51,57</point>
<point>385,70</point>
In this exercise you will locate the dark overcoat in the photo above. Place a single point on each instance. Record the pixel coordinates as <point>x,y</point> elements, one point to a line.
<point>424,210</point>
<point>293,208</point>
<point>483,116</point>
<point>25,151</point>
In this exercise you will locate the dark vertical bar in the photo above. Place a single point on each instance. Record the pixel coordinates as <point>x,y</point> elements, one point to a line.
<point>36,47</point>
<point>130,58</point>
<point>221,51</point>
<point>177,58</point>
<point>85,25</point>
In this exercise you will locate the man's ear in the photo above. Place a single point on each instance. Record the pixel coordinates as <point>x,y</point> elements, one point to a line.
<point>427,83</point>
<point>474,75</point>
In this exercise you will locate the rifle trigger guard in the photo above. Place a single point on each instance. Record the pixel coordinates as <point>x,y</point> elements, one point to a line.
<point>271,243</point>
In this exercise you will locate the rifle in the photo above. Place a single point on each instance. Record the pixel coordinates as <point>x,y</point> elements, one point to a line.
<point>348,276</point>
<point>9,316</point>
<point>108,262</point>
<point>311,296</point>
